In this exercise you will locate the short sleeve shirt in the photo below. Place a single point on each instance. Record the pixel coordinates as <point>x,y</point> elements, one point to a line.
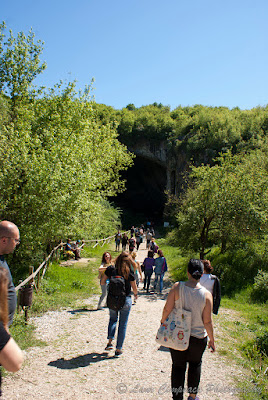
<point>11,292</point>
<point>112,271</point>
<point>4,336</point>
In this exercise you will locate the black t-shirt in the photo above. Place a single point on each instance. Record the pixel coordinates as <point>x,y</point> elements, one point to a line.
<point>112,271</point>
<point>4,336</point>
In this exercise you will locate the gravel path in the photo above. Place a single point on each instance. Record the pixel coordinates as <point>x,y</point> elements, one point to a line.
<point>74,364</point>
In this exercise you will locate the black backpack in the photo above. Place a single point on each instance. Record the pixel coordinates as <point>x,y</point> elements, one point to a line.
<point>116,293</point>
<point>131,242</point>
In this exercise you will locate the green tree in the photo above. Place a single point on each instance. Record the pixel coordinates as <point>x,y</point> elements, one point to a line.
<point>225,204</point>
<point>58,162</point>
<point>19,63</point>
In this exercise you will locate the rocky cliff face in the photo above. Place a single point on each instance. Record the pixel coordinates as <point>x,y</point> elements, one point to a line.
<point>172,162</point>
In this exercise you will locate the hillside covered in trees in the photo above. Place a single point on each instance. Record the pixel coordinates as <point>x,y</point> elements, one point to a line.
<point>63,155</point>
<point>222,206</point>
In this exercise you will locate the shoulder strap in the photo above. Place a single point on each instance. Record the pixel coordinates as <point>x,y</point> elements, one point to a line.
<point>181,291</point>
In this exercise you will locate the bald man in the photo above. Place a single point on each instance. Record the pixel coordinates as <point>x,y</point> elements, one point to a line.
<point>9,239</point>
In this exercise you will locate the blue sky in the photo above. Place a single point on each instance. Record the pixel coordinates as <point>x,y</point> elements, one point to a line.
<point>175,52</point>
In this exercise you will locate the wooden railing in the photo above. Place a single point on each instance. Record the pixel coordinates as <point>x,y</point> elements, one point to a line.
<point>44,265</point>
<point>49,258</point>
<point>102,242</point>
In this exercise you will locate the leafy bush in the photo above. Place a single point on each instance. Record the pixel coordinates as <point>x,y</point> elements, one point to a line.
<point>260,287</point>
<point>172,238</point>
<point>237,268</point>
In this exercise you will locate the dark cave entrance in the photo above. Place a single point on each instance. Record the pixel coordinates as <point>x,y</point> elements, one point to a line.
<point>144,197</point>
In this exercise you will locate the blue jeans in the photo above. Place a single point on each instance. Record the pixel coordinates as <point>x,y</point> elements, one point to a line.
<point>122,327</point>
<point>161,277</point>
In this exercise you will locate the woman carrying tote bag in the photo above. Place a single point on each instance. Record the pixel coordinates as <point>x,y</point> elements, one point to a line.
<point>198,301</point>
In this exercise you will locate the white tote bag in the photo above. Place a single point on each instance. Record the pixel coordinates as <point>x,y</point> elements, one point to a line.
<point>176,329</point>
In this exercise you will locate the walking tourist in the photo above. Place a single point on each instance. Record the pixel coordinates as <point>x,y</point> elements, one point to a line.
<point>118,238</point>
<point>153,246</point>
<point>122,268</point>
<point>160,267</point>
<point>132,243</point>
<point>212,284</point>
<point>149,237</point>
<point>124,242</point>
<point>138,240</point>
<point>198,300</point>
<point>148,270</point>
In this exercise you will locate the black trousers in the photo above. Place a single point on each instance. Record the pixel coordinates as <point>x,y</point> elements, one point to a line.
<point>192,356</point>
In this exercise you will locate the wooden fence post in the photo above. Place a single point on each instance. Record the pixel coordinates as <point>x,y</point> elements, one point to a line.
<point>31,271</point>
<point>18,299</point>
<point>32,282</point>
<point>38,280</point>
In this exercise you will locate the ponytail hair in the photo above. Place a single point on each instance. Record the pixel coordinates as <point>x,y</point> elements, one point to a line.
<point>195,268</point>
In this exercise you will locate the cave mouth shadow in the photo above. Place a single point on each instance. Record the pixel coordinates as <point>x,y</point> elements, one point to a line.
<point>80,361</point>
<point>146,183</point>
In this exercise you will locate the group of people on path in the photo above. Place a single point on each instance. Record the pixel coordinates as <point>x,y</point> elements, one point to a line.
<point>137,236</point>
<point>127,266</point>
<point>151,265</point>
<point>201,296</point>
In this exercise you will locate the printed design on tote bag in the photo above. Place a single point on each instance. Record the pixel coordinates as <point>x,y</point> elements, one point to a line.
<point>180,335</point>
<point>175,331</point>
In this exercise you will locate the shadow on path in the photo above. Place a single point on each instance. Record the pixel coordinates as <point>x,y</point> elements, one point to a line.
<point>81,310</point>
<point>152,296</point>
<point>80,361</point>
<point>163,348</point>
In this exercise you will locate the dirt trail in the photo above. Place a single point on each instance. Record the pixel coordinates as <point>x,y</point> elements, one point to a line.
<point>74,364</point>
